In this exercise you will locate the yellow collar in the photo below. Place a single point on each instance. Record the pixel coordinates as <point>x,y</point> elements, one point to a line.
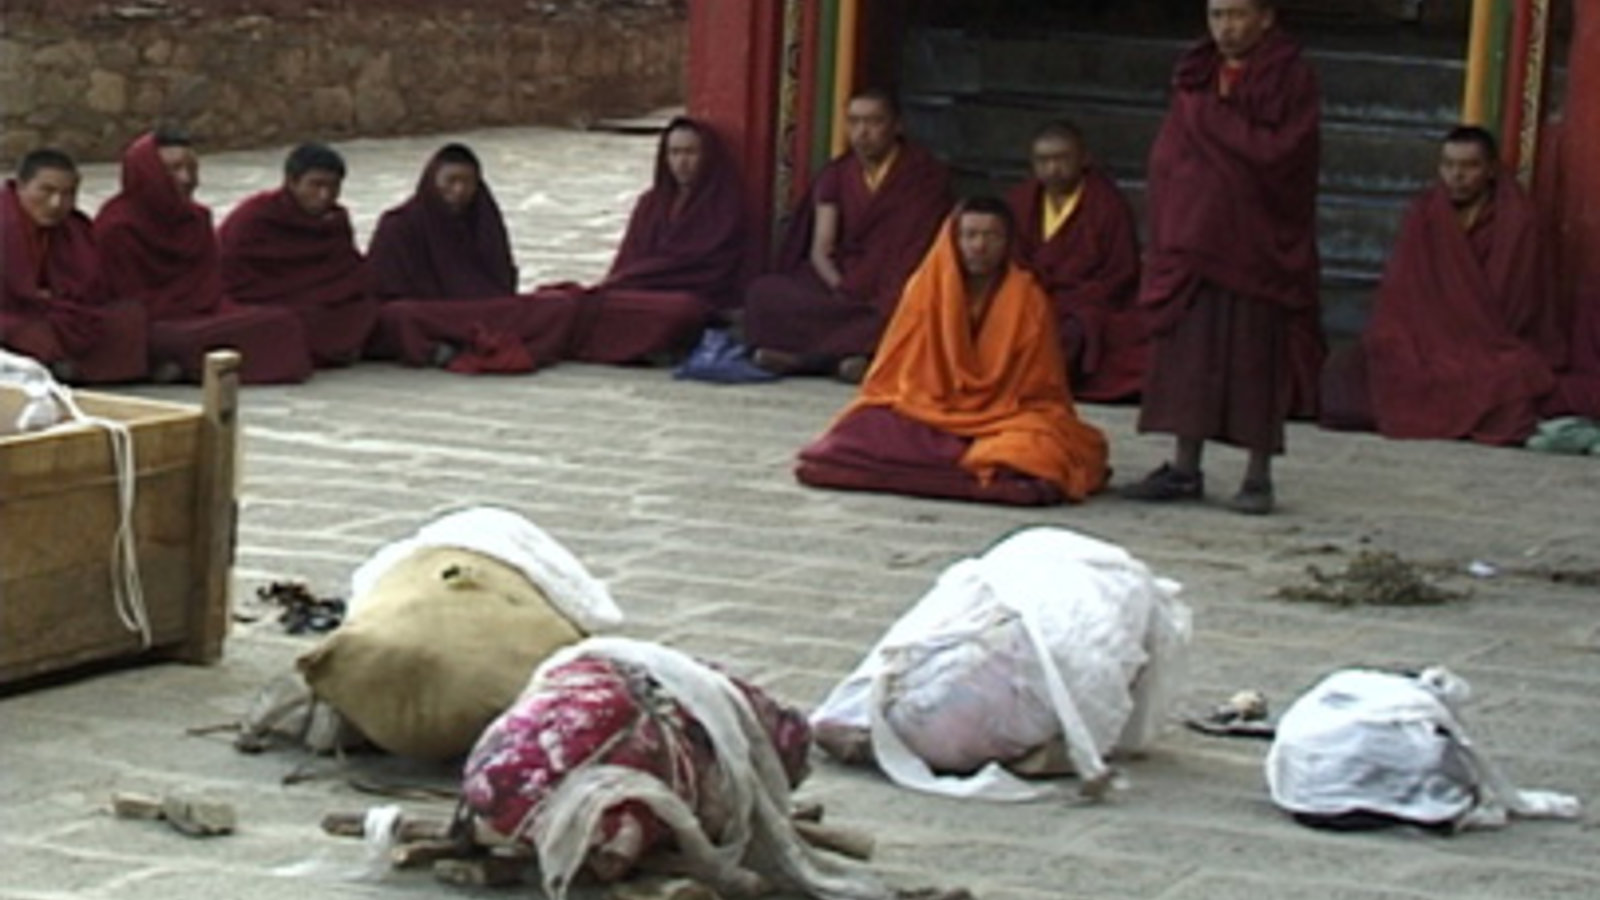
<point>875,175</point>
<point>1057,212</point>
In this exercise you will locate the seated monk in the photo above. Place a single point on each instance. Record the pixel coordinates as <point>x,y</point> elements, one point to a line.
<point>1463,340</point>
<point>680,261</point>
<point>967,398</point>
<point>854,241</point>
<point>53,302</point>
<point>1077,233</point>
<point>158,247</point>
<point>442,267</point>
<point>293,248</point>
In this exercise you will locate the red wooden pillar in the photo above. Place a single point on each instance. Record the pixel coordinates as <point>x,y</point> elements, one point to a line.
<point>734,47</point>
<point>1579,180</point>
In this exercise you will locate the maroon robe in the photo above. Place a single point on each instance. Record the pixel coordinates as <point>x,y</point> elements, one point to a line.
<point>883,236</point>
<point>53,302</point>
<point>1090,268</point>
<point>157,247</point>
<point>1232,215</point>
<point>274,254</point>
<point>448,280</point>
<point>681,260</point>
<point>1463,340</point>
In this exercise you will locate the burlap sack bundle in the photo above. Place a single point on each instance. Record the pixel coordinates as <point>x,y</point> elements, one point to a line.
<point>438,646</point>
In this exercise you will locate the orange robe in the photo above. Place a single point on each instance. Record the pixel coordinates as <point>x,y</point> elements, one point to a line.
<point>1000,388</point>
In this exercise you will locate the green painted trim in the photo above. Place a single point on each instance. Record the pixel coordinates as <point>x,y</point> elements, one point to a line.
<point>1494,85</point>
<point>827,61</point>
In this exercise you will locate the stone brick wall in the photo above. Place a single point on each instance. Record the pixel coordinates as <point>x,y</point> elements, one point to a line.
<point>87,76</point>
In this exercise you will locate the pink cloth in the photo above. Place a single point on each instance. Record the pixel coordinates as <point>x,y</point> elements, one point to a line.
<point>595,710</point>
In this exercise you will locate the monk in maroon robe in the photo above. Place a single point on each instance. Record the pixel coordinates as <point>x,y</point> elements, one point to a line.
<point>680,262</point>
<point>53,302</point>
<point>293,248</point>
<point>1230,280</point>
<point>158,247</point>
<point>869,218</point>
<point>1078,235</point>
<point>1464,338</point>
<point>442,267</point>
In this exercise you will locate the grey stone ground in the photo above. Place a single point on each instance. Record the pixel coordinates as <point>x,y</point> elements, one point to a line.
<point>681,496</point>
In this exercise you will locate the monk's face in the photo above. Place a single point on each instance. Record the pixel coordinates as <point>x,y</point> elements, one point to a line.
<point>315,191</point>
<point>1238,25</point>
<point>1466,171</point>
<point>684,152</point>
<point>1058,163</point>
<point>50,196</point>
<point>872,127</point>
<point>184,167</point>
<point>984,242</point>
<point>457,184</point>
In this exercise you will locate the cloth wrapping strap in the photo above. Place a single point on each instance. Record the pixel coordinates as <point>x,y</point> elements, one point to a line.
<point>515,541</point>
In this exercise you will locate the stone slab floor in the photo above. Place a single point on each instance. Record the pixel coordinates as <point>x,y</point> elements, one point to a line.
<point>680,495</point>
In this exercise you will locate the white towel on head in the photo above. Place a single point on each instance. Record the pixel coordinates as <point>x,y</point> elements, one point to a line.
<point>518,543</point>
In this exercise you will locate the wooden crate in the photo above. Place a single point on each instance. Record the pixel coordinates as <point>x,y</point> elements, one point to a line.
<point>59,514</point>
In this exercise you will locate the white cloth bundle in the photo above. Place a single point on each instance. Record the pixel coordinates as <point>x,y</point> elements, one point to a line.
<point>1049,634</point>
<point>1381,742</point>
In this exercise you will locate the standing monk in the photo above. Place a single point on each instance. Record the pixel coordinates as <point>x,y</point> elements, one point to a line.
<point>158,248</point>
<point>1078,235</point>
<point>1464,340</point>
<point>293,248</point>
<point>442,266</point>
<point>967,398</point>
<point>680,262</point>
<point>52,298</point>
<point>853,243</point>
<point>1232,267</point>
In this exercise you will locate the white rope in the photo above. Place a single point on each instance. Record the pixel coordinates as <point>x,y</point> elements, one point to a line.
<point>127,588</point>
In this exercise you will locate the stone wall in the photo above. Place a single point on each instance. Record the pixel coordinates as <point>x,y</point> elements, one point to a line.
<point>87,76</point>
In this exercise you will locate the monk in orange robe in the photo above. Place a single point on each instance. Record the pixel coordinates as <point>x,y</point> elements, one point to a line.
<point>54,305</point>
<point>1077,233</point>
<point>967,397</point>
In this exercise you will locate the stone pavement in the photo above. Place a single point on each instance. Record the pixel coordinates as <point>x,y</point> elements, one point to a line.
<point>681,496</point>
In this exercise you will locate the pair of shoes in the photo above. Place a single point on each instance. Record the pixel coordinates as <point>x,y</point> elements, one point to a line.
<point>442,355</point>
<point>852,369</point>
<point>1166,484</point>
<point>777,362</point>
<point>1254,498</point>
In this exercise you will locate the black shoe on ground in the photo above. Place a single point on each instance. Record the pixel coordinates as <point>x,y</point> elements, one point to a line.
<point>1254,498</point>
<point>1165,485</point>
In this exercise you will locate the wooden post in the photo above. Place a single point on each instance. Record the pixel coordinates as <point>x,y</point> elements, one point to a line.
<point>216,512</point>
<point>733,86</point>
<point>1474,109</point>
